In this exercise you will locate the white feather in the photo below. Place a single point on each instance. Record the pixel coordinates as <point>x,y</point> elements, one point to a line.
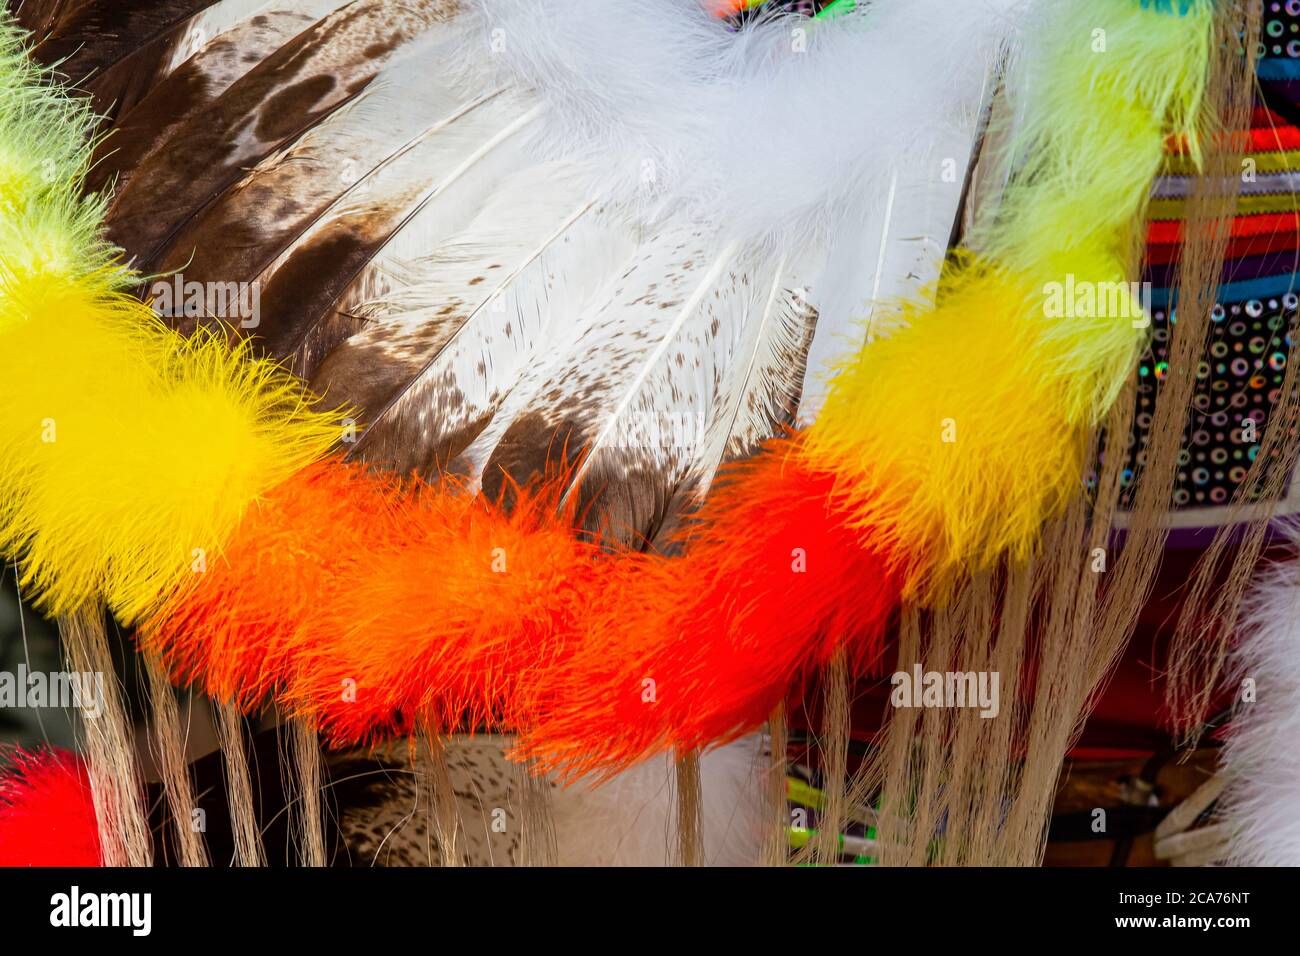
<point>884,254</point>
<point>532,258</point>
<point>836,138</point>
<point>763,381</point>
<point>1262,756</point>
<point>769,131</point>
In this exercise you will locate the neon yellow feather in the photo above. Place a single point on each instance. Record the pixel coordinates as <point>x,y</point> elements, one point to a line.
<point>1107,85</point>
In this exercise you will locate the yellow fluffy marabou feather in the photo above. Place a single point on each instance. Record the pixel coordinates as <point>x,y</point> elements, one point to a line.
<point>956,441</point>
<point>127,453</point>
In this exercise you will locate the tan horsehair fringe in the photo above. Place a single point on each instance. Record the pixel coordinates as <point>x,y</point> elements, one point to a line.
<point>109,749</point>
<point>1208,618</point>
<point>690,810</point>
<point>168,742</point>
<point>305,758</point>
<point>239,787</point>
<point>537,845</point>
<point>776,812</point>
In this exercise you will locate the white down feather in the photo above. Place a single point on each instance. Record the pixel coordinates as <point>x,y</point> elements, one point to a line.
<point>1262,755</point>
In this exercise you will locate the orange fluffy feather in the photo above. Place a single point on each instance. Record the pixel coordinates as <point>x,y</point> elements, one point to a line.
<point>369,603</point>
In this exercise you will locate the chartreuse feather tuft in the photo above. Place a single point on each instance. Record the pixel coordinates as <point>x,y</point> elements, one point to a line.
<point>45,139</point>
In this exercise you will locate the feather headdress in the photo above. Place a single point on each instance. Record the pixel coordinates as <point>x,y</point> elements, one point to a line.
<point>683,359</point>
<point>948,481</point>
<point>549,222</point>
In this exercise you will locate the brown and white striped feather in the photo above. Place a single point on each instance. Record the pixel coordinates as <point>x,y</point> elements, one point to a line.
<point>254,227</point>
<point>292,90</point>
<point>89,36</point>
<point>761,392</point>
<point>116,50</point>
<point>760,396</point>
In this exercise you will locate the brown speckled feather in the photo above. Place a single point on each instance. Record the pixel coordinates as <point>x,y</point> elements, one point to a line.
<point>195,85</point>
<point>433,190</point>
<point>296,87</point>
<point>760,394</point>
<point>383,813</point>
<point>531,259</point>
<point>626,402</point>
<point>116,50</point>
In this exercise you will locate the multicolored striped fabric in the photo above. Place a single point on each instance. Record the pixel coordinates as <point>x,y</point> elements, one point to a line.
<point>1242,370</point>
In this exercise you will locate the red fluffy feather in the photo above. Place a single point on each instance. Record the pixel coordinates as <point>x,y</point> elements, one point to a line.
<point>694,651</point>
<point>47,816</point>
